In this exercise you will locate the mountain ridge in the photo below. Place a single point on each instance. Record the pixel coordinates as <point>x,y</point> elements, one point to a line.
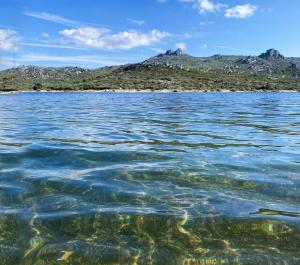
<point>172,70</point>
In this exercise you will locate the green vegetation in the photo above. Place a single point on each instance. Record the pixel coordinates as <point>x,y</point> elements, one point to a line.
<point>170,71</point>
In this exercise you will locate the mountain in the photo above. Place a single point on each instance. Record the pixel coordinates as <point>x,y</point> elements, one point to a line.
<point>172,70</point>
<point>271,54</point>
<point>45,73</point>
<point>270,62</point>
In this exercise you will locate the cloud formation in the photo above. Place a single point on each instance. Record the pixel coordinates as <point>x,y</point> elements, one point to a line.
<point>206,23</point>
<point>208,6</point>
<point>61,20</point>
<point>9,40</point>
<point>43,45</point>
<point>138,22</point>
<point>52,18</point>
<point>102,38</point>
<point>240,11</point>
<point>232,49</point>
<point>88,59</point>
<point>205,6</point>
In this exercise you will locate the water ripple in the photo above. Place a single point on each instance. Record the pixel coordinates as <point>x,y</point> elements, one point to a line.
<point>91,178</point>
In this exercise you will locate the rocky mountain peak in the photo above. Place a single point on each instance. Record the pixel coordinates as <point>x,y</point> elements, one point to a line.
<point>177,52</point>
<point>271,54</point>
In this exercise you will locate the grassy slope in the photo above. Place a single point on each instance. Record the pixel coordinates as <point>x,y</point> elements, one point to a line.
<point>202,74</point>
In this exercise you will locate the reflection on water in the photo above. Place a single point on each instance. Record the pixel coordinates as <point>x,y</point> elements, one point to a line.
<point>88,178</point>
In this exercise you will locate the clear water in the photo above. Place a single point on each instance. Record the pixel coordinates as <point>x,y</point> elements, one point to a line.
<point>171,178</point>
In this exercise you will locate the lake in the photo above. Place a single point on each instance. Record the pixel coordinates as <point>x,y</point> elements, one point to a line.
<point>150,178</point>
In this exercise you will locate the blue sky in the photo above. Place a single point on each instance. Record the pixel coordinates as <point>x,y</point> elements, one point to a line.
<point>92,33</point>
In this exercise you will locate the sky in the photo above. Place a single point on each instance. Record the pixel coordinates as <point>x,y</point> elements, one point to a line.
<point>96,33</point>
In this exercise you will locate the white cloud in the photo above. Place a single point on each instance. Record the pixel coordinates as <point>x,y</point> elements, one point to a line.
<point>51,46</point>
<point>205,6</point>
<point>62,21</point>
<point>206,23</point>
<point>232,49</point>
<point>204,46</point>
<point>52,18</point>
<point>9,40</point>
<point>137,21</point>
<point>181,45</point>
<point>88,59</point>
<point>45,35</point>
<point>102,38</point>
<point>241,11</point>
<point>208,6</point>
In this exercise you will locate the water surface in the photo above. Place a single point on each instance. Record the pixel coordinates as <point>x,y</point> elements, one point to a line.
<point>149,178</point>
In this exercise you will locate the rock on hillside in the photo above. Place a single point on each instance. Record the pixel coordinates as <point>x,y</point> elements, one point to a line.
<point>173,59</point>
<point>178,52</point>
<point>271,54</point>
<point>44,73</point>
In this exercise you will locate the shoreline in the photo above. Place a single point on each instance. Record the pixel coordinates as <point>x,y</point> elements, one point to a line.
<point>147,91</point>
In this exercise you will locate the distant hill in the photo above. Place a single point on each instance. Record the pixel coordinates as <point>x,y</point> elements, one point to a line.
<point>172,70</point>
<point>270,62</point>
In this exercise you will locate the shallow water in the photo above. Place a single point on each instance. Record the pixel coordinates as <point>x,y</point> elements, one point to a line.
<point>171,178</point>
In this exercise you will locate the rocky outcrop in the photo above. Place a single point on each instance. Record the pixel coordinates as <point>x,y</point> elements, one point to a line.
<point>177,52</point>
<point>294,69</point>
<point>248,60</point>
<point>228,69</point>
<point>44,73</point>
<point>271,54</point>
